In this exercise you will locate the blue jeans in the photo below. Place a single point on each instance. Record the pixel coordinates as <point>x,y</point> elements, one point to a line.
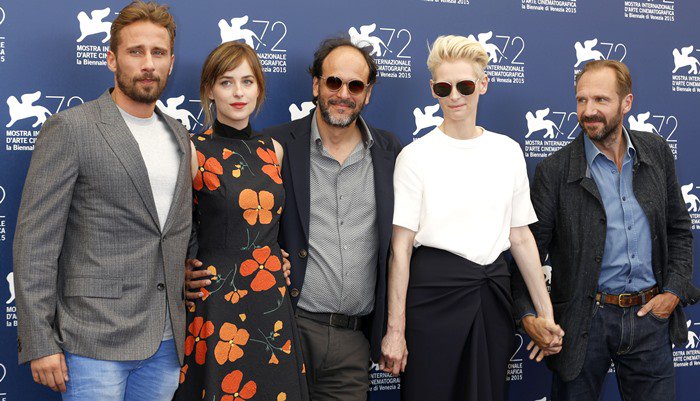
<point>155,378</point>
<point>640,348</point>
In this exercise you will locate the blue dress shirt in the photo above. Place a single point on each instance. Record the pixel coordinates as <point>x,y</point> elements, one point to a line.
<point>626,265</point>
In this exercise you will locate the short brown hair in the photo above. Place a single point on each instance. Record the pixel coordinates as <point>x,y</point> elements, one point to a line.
<point>226,57</point>
<point>141,11</point>
<point>622,74</point>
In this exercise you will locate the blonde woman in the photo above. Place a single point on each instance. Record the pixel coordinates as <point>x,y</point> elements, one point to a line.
<point>461,200</point>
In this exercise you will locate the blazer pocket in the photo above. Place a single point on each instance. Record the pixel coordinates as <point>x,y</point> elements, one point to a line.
<point>93,287</point>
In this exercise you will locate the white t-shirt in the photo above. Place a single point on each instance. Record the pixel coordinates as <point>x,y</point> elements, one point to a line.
<point>462,196</point>
<point>161,155</point>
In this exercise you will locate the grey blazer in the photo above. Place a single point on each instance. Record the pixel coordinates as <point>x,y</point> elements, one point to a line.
<point>93,270</point>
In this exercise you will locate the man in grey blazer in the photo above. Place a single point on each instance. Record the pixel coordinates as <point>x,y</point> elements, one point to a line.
<point>103,229</point>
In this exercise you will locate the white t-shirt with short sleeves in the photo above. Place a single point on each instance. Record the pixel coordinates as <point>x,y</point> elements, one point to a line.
<point>463,196</point>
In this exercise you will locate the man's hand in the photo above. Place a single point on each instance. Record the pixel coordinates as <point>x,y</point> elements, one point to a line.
<point>194,280</point>
<point>51,371</point>
<point>394,353</point>
<point>546,337</point>
<point>286,266</point>
<point>661,305</point>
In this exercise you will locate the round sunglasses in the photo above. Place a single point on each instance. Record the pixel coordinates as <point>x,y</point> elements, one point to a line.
<point>443,89</point>
<point>354,86</point>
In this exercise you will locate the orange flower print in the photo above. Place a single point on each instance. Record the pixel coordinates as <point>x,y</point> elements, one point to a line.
<point>228,349</point>
<point>256,205</point>
<point>287,347</point>
<point>263,263</point>
<point>272,166</point>
<point>183,373</point>
<point>235,296</point>
<point>199,330</point>
<point>207,173</point>
<point>232,386</point>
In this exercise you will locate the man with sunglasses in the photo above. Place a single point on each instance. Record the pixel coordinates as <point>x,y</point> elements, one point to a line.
<point>615,226</point>
<point>337,222</point>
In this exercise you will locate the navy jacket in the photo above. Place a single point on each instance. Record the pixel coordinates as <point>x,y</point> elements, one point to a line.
<point>295,138</point>
<point>572,229</point>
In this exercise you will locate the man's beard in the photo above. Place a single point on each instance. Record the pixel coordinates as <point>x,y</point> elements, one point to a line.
<point>608,128</point>
<point>141,95</point>
<point>342,121</point>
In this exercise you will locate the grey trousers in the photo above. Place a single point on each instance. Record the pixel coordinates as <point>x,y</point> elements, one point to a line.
<point>337,361</point>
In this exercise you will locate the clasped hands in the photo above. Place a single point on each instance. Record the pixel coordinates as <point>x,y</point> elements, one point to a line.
<point>547,336</point>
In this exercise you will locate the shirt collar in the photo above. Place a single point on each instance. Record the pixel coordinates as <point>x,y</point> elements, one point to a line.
<point>592,151</point>
<point>367,138</point>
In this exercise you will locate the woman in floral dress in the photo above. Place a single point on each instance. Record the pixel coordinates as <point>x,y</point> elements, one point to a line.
<point>241,337</point>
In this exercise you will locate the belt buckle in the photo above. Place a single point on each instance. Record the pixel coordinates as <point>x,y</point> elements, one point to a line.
<point>621,297</point>
<point>338,320</point>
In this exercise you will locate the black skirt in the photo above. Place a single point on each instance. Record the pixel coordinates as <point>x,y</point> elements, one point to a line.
<point>459,328</point>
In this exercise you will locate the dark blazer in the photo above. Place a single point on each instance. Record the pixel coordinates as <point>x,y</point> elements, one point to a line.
<point>295,137</point>
<point>572,228</point>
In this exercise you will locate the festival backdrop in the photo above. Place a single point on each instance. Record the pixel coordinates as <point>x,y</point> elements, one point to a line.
<point>52,57</point>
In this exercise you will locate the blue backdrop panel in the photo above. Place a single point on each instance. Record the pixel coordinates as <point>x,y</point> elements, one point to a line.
<point>52,56</point>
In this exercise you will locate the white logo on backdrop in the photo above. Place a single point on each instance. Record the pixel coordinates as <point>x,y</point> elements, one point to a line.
<point>585,52</point>
<point>2,195</point>
<point>365,38</point>
<point>11,283</point>
<point>683,58</point>
<point>537,122</point>
<point>94,25</point>
<point>493,50</point>
<point>547,270</point>
<point>542,399</point>
<point>171,108</point>
<point>2,15</point>
<point>4,372</point>
<point>26,109</point>
<point>426,118</point>
<point>690,199</point>
<point>640,123</point>
<point>296,112</point>
<point>235,31</point>
<point>693,339</point>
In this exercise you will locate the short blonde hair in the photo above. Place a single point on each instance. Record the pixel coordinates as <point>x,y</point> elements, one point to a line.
<point>456,48</point>
<point>226,57</point>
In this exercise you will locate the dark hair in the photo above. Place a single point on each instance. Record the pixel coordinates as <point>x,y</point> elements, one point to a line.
<point>227,56</point>
<point>330,44</point>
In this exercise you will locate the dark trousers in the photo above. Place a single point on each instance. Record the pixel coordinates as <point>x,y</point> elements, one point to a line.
<point>336,359</point>
<point>639,347</point>
<point>459,329</point>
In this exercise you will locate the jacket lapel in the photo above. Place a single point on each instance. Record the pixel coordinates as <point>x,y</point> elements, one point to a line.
<point>115,131</point>
<point>578,167</point>
<point>298,163</point>
<point>383,165</point>
<point>184,174</point>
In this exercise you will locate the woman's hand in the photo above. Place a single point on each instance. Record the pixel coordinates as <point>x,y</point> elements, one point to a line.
<point>394,353</point>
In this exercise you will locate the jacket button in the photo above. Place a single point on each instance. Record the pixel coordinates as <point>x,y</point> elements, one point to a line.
<point>584,334</point>
<point>294,292</point>
<point>598,259</point>
<point>302,253</point>
<point>602,220</point>
<point>160,286</point>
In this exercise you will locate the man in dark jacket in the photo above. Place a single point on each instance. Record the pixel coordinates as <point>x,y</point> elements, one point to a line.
<point>337,221</point>
<point>617,232</point>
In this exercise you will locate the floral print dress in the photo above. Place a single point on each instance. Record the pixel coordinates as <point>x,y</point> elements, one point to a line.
<point>241,339</point>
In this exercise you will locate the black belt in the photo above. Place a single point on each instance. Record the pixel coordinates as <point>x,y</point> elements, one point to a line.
<point>333,319</point>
